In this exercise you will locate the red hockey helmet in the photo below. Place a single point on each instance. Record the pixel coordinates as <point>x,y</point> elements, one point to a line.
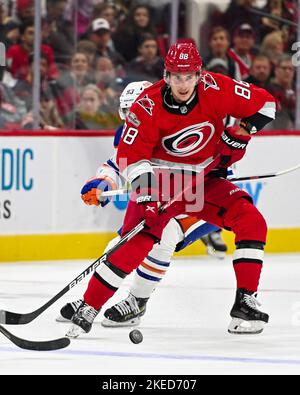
<point>183,57</point>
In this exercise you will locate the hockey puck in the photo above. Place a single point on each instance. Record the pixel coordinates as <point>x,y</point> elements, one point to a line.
<point>136,336</point>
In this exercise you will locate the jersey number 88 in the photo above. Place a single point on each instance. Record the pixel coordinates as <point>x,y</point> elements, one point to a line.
<point>241,89</point>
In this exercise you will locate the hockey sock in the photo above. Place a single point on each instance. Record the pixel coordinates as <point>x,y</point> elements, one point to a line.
<point>247,263</point>
<point>104,283</point>
<point>250,229</point>
<point>153,268</point>
<point>147,276</point>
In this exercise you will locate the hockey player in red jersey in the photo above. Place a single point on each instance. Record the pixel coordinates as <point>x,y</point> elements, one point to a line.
<point>180,121</point>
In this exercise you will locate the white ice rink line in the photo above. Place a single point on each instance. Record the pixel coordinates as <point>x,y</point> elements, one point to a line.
<point>184,328</point>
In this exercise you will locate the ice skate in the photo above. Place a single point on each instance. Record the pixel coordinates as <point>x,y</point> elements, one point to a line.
<point>82,320</point>
<point>68,310</point>
<point>215,245</point>
<point>246,318</point>
<point>125,313</point>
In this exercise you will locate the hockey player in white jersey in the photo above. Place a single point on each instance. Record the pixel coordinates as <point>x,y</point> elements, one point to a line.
<point>179,233</point>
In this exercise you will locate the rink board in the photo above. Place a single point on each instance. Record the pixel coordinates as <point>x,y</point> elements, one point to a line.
<point>42,215</point>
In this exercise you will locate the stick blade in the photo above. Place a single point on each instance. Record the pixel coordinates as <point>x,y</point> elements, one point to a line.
<point>48,345</point>
<point>10,318</point>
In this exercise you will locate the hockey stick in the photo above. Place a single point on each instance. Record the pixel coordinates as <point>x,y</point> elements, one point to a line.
<point>49,345</point>
<point>268,175</point>
<point>234,179</point>
<point>272,17</point>
<point>10,318</point>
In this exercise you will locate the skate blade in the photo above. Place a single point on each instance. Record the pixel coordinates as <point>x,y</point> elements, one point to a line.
<point>216,254</point>
<point>74,332</point>
<point>114,324</point>
<point>238,326</point>
<point>60,318</point>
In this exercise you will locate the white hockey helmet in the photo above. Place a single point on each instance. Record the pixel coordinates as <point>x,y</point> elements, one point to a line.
<point>129,94</point>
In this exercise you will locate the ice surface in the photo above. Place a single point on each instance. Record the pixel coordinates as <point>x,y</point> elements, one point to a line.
<point>185,327</point>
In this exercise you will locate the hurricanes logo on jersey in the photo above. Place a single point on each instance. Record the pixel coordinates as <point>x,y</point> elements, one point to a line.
<point>209,81</point>
<point>147,104</point>
<point>190,140</point>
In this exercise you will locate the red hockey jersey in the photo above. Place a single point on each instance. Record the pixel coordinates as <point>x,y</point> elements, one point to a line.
<point>155,133</point>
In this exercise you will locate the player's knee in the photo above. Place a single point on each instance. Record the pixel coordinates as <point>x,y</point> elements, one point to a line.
<point>171,236</point>
<point>128,257</point>
<point>246,221</point>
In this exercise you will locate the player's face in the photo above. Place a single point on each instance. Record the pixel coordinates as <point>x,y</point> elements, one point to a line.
<point>182,85</point>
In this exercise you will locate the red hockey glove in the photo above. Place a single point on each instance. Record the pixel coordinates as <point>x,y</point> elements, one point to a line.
<point>149,210</point>
<point>146,197</point>
<point>231,147</point>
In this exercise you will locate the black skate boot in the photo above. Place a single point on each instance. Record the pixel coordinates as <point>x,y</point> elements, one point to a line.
<point>68,310</point>
<point>246,318</point>
<point>215,244</point>
<point>125,313</point>
<point>82,320</point>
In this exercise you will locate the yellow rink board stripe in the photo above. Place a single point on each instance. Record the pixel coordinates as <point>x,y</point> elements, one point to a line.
<point>91,245</point>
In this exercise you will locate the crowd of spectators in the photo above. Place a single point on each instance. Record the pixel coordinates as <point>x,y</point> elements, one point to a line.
<point>91,49</point>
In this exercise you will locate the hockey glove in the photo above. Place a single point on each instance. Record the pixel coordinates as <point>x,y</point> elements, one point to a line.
<point>92,190</point>
<point>231,147</point>
<point>145,194</point>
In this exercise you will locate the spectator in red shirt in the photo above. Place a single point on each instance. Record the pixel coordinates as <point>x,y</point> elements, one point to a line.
<point>48,109</point>
<point>18,55</point>
<point>24,87</point>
